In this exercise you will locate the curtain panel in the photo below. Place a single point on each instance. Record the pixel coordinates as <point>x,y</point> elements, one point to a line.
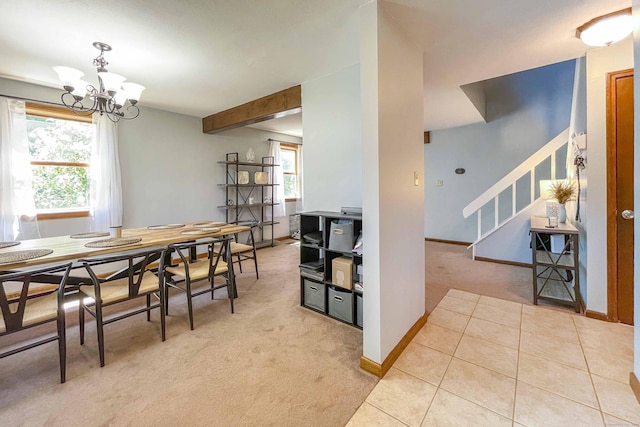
<point>106,184</point>
<point>18,218</point>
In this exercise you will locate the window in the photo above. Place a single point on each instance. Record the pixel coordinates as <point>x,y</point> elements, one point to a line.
<point>289,159</point>
<point>60,146</point>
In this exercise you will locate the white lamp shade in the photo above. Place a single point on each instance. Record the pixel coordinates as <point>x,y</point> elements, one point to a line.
<point>80,88</point>
<point>112,82</point>
<point>68,76</point>
<point>120,98</point>
<point>132,90</point>
<point>545,188</point>
<point>607,31</point>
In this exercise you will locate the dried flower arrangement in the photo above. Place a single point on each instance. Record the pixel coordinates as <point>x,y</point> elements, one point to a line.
<point>563,191</point>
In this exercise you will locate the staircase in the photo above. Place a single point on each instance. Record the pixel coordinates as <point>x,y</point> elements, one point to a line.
<point>509,181</point>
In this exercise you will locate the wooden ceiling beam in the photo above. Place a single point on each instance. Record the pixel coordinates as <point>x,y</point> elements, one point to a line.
<point>279,104</point>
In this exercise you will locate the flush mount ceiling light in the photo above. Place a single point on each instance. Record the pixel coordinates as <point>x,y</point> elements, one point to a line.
<point>112,97</point>
<point>607,29</point>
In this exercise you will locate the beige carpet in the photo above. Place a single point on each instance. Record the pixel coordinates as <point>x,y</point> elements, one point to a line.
<point>270,363</point>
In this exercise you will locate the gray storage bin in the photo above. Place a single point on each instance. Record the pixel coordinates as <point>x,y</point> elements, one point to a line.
<point>341,236</point>
<point>314,293</point>
<point>359,310</point>
<point>341,304</point>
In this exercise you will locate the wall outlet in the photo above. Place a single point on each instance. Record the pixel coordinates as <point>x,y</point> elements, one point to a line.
<point>439,182</point>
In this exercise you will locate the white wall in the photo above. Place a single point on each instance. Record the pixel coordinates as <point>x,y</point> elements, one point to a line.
<point>169,167</point>
<point>599,62</point>
<point>636,189</point>
<point>524,111</point>
<point>332,141</point>
<point>393,207</point>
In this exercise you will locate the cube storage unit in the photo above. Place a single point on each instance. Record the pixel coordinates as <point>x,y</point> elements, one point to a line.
<point>339,265</point>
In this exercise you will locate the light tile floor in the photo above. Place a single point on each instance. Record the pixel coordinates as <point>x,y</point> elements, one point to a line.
<point>482,361</point>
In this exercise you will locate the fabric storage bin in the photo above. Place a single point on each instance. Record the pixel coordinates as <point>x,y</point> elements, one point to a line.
<point>359,310</point>
<point>341,304</point>
<point>341,235</point>
<point>314,293</point>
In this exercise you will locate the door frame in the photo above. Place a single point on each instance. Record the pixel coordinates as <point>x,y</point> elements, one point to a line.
<point>612,197</point>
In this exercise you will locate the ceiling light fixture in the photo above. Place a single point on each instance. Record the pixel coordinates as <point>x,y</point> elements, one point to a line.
<point>607,29</point>
<point>109,97</point>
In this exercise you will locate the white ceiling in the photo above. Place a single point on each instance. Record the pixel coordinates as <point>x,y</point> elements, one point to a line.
<point>199,57</point>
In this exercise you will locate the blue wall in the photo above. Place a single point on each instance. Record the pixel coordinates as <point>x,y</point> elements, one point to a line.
<point>524,111</point>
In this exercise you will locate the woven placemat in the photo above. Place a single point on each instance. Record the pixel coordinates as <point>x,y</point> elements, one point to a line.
<point>194,231</point>
<point>165,226</point>
<point>89,235</point>
<point>23,255</point>
<point>208,224</point>
<point>8,244</point>
<point>115,241</point>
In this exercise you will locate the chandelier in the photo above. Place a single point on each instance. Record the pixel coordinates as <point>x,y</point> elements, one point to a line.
<point>112,97</point>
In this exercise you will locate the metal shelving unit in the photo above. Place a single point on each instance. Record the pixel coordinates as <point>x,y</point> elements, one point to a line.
<point>238,209</point>
<point>556,272</point>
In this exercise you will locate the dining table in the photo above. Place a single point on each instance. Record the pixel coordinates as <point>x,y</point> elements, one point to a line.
<point>59,249</point>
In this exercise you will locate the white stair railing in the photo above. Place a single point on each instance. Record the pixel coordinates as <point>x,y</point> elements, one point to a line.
<point>510,180</point>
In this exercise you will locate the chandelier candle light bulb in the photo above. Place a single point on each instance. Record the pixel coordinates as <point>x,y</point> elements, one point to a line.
<point>108,98</point>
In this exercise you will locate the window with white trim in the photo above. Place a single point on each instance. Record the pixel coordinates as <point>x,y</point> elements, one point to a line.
<point>289,160</point>
<point>60,145</point>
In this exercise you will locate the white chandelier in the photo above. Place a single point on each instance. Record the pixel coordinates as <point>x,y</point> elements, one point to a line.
<point>112,97</point>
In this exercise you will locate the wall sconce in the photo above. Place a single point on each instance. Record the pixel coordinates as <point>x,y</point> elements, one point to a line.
<point>606,29</point>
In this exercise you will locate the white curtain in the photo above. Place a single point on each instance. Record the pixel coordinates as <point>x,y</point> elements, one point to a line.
<point>277,178</point>
<point>299,204</point>
<point>17,207</point>
<point>106,185</point>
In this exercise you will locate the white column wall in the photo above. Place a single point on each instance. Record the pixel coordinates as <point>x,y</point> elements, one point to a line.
<point>332,155</point>
<point>393,207</point>
<point>599,62</point>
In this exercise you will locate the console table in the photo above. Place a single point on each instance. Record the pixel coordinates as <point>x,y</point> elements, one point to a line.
<point>555,266</point>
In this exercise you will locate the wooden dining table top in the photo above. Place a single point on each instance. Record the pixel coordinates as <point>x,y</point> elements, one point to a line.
<point>66,248</point>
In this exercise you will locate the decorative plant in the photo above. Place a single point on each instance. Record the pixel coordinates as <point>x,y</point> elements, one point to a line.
<point>563,191</point>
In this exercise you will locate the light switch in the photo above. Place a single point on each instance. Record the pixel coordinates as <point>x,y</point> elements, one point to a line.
<point>416,181</point>
<point>439,182</point>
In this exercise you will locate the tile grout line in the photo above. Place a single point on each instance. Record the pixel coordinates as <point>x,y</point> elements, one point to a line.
<point>586,361</point>
<point>448,365</point>
<point>384,412</point>
<point>515,389</point>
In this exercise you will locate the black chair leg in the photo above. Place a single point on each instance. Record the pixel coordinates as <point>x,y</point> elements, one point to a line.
<point>162,315</point>
<point>81,321</point>
<point>189,303</point>
<point>232,288</point>
<point>100,330</point>
<point>255,261</point>
<point>239,262</point>
<point>62,347</point>
<point>148,307</point>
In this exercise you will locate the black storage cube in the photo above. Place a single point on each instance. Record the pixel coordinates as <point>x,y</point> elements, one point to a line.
<point>341,304</point>
<point>359,310</point>
<point>314,293</point>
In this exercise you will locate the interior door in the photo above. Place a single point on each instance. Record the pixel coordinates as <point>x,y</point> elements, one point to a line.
<point>620,194</point>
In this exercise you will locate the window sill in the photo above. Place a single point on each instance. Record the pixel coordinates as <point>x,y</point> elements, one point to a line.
<point>62,215</point>
<point>291,200</point>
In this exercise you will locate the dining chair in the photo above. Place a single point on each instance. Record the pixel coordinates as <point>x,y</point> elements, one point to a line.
<point>129,276</point>
<point>245,251</point>
<point>24,306</point>
<point>193,268</point>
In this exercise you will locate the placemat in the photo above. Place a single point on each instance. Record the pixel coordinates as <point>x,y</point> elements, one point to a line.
<point>23,255</point>
<point>115,241</point>
<point>203,230</point>
<point>208,224</point>
<point>8,244</point>
<point>89,235</point>
<point>165,226</point>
